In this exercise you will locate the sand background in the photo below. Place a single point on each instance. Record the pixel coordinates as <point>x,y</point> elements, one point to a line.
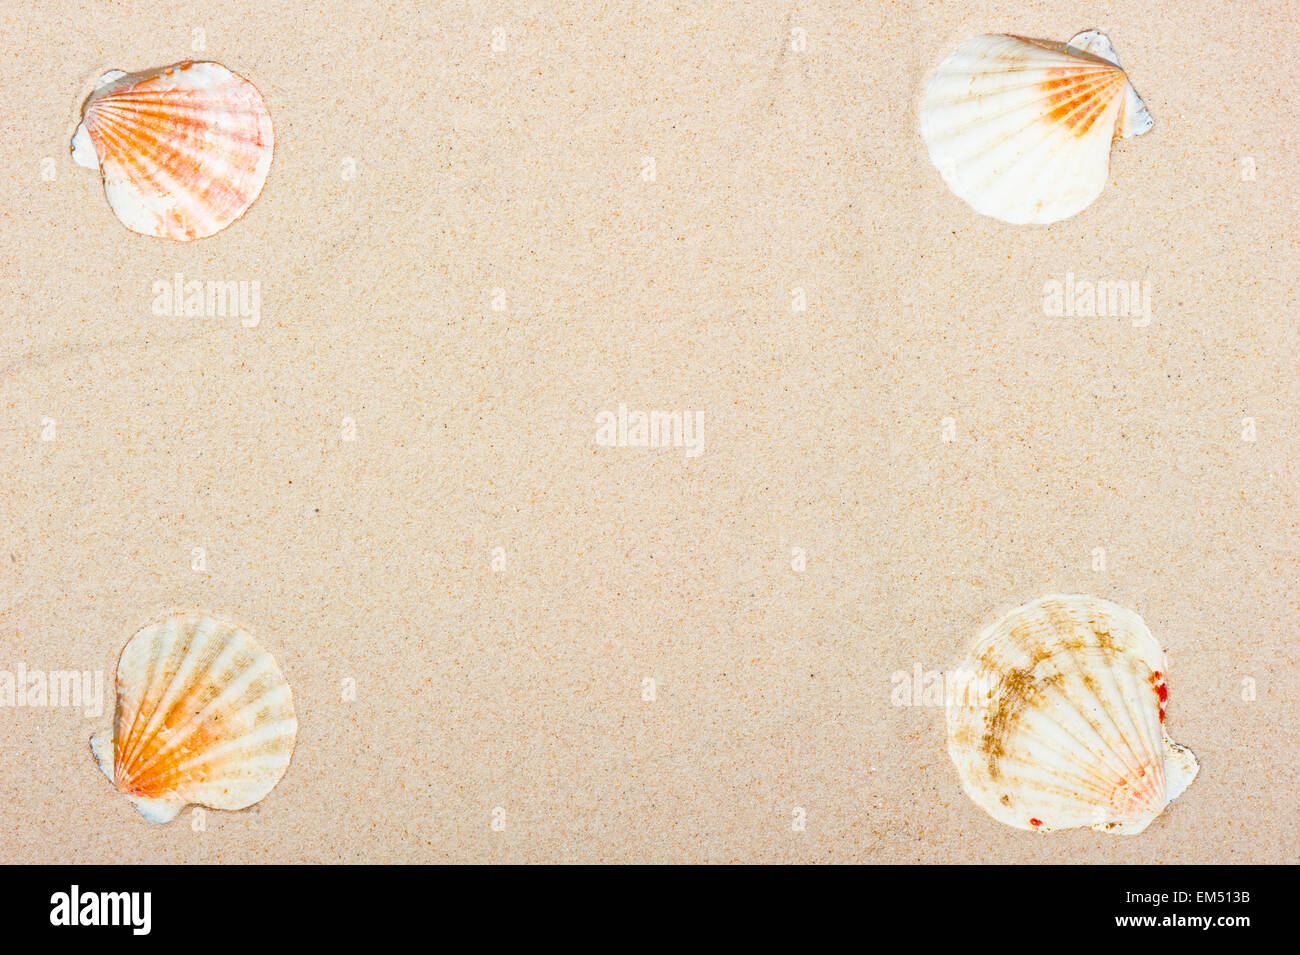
<point>371,559</point>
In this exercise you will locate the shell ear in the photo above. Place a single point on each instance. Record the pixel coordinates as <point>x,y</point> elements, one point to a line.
<point>1135,120</point>
<point>1095,43</point>
<point>83,150</point>
<point>101,747</point>
<point>109,77</point>
<point>160,811</point>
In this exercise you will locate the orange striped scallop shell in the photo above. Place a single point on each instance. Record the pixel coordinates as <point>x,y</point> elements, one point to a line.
<point>184,151</point>
<point>203,716</point>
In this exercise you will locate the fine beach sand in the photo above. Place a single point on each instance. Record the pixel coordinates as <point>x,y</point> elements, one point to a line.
<point>348,465</point>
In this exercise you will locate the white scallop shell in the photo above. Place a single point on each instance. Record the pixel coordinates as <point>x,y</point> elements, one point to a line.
<point>184,151</point>
<point>203,716</point>
<point>1021,129</point>
<point>1059,720</point>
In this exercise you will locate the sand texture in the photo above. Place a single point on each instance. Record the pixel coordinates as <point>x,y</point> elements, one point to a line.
<point>463,256</point>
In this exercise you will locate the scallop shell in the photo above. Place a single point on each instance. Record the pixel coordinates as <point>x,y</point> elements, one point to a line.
<point>1021,129</point>
<point>184,151</point>
<point>1058,721</point>
<point>203,716</point>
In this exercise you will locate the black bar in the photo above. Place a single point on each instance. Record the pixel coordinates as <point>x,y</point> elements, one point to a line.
<point>954,903</point>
